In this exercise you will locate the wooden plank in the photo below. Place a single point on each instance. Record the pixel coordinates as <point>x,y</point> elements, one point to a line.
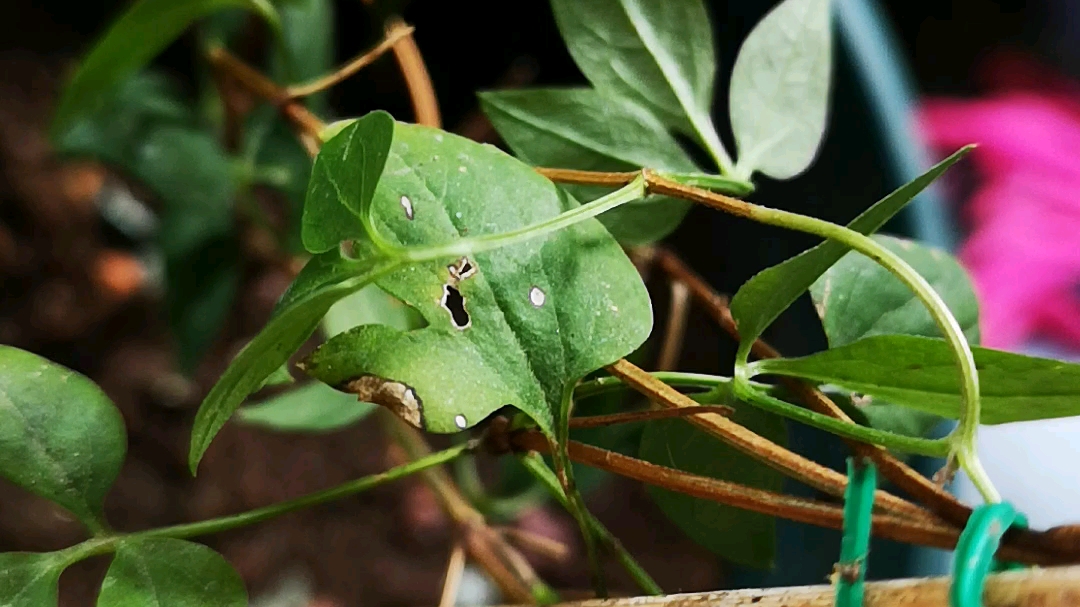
<point>1035,587</point>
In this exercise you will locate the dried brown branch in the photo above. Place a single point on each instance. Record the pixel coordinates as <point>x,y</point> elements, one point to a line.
<point>597,421</point>
<point>796,466</point>
<point>455,569</point>
<point>928,531</point>
<point>393,35</point>
<point>675,331</point>
<point>417,79</point>
<point>307,125</point>
<point>507,568</point>
<point>919,487</point>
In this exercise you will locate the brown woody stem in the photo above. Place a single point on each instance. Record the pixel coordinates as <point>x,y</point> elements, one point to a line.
<point>910,481</point>
<point>597,421</point>
<point>796,466</point>
<point>417,79</point>
<point>928,531</point>
<point>308,126</point>
<point>344,72</point>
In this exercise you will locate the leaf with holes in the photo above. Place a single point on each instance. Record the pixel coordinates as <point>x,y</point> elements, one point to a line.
<point>512,326</point>
<point>133,40</point>
<point>858,298</point>
<point>657,55</point>
<point>30,579</point>
<point>920,372</point>
<point>148,571</point>
<point>773,290</point>
<point>779,94</point>
<point>343,181</point>
<point>740,536</point>
<point>60,436</point>
<point>583,129</point>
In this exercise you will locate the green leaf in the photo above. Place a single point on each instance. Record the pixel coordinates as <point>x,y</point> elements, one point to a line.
<point>582,129</point>
<point>280,377</point>
<point>190,174</point>
<point>133,40</point>
<point>758,302</point>
<point>877,413</point>
<point>314,407</point>
<point>658,55</point>
<point>326,279</point>
<point>740,536</point>
<point>779,95</point>
<point>343,181</point>
<point>306,49</point>
<point>534,316</point>
<point>201,288</point>
<point>122,119</point>
<point>920,373</point>
<point>370,305</point>
<point>858,298</point>
<point>30,579</point>
<point>60,437</point>
<point>166,571</point>
<point>278,161</point>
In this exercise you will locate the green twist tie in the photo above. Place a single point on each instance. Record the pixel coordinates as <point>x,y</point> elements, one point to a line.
<point>855,544</point>
<point>974,557</point>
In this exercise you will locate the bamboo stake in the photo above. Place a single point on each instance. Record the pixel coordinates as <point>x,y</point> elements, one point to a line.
<point>1052,587</point>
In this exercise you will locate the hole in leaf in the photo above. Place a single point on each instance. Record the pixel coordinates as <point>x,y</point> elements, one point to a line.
<point>407,205</point>
<point>460,270</point>
<point>537,297</point>
<point>454,303</point>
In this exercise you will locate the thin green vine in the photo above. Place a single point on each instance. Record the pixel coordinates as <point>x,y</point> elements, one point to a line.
<point>106,544</point>
<point>961,442</point>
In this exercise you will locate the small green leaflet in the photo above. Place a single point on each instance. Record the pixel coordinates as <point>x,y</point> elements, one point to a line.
<point>779,95</point>
<point>60,437</point>
<point>166,571</point>
<point>758,302</point>
<point>343,181</point>
<point>740,536</point>
<point>586,130</point>
<point>858,298</point>
<point>920,373</point>
<point>30,579</point>
<point>512,326</point>
<point>133,40</point>
<point>657,55</point>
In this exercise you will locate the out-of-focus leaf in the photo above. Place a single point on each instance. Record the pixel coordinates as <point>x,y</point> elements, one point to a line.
<point>142,32</point>
<point>60,436</point>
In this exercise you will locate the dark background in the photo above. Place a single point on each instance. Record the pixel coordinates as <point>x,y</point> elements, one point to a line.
<point>378,549</point>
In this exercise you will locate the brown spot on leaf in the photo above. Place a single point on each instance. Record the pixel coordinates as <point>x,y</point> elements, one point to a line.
<point>394,395</point>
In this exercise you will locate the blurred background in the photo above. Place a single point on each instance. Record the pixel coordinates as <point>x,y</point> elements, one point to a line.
<point>914,80</point>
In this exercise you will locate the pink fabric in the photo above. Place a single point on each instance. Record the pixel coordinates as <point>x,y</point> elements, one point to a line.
<point>1023,251</point>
